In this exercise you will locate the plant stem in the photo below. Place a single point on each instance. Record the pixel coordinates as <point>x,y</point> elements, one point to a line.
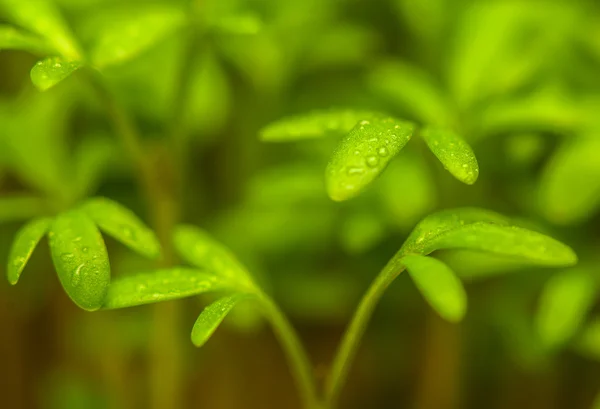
<point>298,361</point>
<point>351,339</point>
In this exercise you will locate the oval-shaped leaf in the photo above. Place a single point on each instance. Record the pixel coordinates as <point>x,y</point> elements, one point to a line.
<point>511,241</point>
<point>453,152</point>
<point>12,38</point>
<point>210,318</point>
<point>47,73</point>
<point>80,258</point>
<point>44,18</point>
<point>25,241</point>
<point>124,33</point>
<point>200,249</point>
<point>316,124</point>
<point>439,286</point>
<point>160,285</point>
<point>363,154</point>
<point>122,224</point>
<point>564,303</point>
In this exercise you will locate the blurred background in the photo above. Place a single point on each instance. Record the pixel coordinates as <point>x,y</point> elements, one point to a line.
<point>520,81</point>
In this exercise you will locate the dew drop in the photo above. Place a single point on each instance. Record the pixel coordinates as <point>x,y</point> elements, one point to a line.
<point>355,171</point>
<point>76,278</point>
<point>127,232</point>
<point>85,249</point>
<point>66,257</point>
<point>383,152</point>
<point>372,161</point>
<point>357,153</point>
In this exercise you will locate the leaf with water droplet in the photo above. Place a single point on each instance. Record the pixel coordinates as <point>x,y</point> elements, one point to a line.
<point>44,18</point>
<point>161,285</point>
<point>122,33</point>
<point>439,286</point>
<point>363,154</point>
<point>566,299</point>
<point>47,73</point>
<point>316,124</point>
<point>122,224</point>
<point>210,318</point>
<point>570,184</point>
<point>80,258</point>
<point>200,249</point>
<point>25,242</point>
<point>454,153</point>
<point>11,38</point>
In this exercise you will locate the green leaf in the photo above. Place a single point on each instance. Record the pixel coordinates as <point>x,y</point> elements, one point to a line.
<point>411,90</point>
<point>511,241</point>
<point>123,225</point>
<point>12,38</point>
<point>439,285</point>
<point>570,185</point>
<point>43,17</point>
<point>316,124</point>
<point>200,249</point>
<point>453,152</point>
<point>47,73</point>
<point>25,242</point>
<point>363,154</point>
<point>17,208</point>
<point>564,303</point>
<point>80,258</point>
<point>160,285</point>
<point>124,33</point>
<point>212,316</point>
<point>92,159</point>
<point>240,24</point>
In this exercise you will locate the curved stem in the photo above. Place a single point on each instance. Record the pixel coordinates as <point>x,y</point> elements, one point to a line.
<point>352,337</point>
<point>298,361</point>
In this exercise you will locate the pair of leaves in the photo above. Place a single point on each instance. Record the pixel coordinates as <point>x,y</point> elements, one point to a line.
<point>471,229</point>
<point>78,250</point>
<point>372,140</point>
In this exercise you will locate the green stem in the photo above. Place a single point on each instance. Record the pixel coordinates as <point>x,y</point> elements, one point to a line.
<point>352,337</point>
<point>298,361</point>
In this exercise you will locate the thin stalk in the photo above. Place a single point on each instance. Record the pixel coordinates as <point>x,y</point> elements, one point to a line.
<point>351,340</point>
<point>297,358</point>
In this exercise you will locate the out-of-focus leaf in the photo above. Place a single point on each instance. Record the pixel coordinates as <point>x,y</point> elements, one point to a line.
<point>454,153</point>
<point>90,162</point>
<point>315,124</point>
<point>363,154</point>
<point>570,185</point>
<point>407,190</point>
<point>596,404</point>
<point>42,17</point>
<point>47,73</point>
<point>17,208</point>
<point>361,231</point>
<point>524,149</point>
<point>161,285</point>
<point>588,343</point>
<point>11,38</point>
<point>24,243</point>
<point>80,258</point>
<point>439,285</point>
<point>122,33</point>
<point>564,303</point>
<point>200,249</point>
<point>210,318</point>
<point>426,18</point>
<point>122,224</point>
<point>240,24</point>
<point>413,91</point>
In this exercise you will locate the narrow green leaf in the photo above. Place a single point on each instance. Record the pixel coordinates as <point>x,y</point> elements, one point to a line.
<point>124,33</point>
<point>160,285</point>
<point>363,154</point>
<point>439,285</point>
<point>411,90</point>
<point>200,249</point>
<point>80,258</point>
<point>570,185</point>
<point>43,17</point>
<point>564,303</point>
<point>454,153</point>
<point>510,241</point>
<point>47,73</point>
<point>123,225</point>
<point>212,316</point>
<point>12,38</point>
<point>25,242</point>
<point>316,124</point>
